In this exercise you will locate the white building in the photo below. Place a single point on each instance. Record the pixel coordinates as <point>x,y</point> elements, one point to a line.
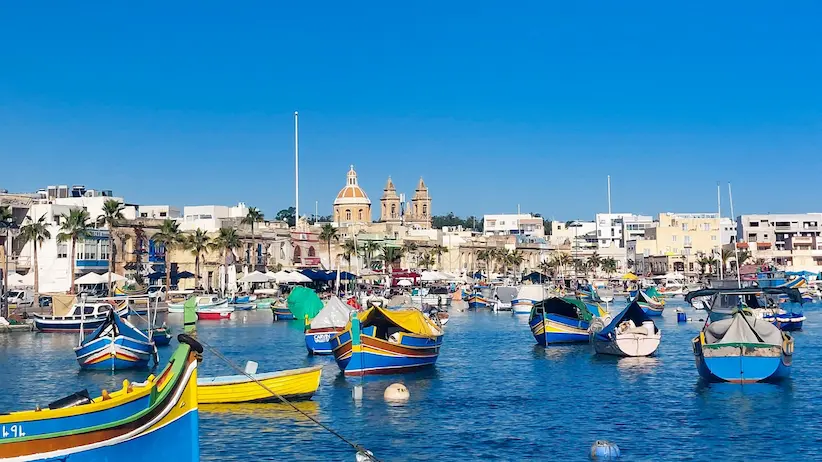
<point>523,224</point>
<point>781,231</point>
<point>159,212</point>
<point>615,229</point>
<point>573,234</point>
<point>211,218</point>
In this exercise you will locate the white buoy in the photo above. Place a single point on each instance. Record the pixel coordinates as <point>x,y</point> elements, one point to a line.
<point>396,393</point>
<point>356,393</point>
<point>364,456</point>
<point>604,450</point>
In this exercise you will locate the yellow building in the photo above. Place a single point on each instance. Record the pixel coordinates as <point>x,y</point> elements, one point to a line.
<point>676,242</point>
<point>352,205</point>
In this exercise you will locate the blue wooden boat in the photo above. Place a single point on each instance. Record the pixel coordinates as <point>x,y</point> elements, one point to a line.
<point>328,323</point>
<point>722,303</point>
<point>786,320</point>
<point>281,312</point>
<point>161,336</point>
<point>119,425</point>
<point>382,341</point>
<point>243,306</point>
<point>237,299</point>
<point>650,303</point>
<point>115,345</point>
<point>743,349</point>
<point>476,300</point>
<point>562,320</point>
<point>89,315</point>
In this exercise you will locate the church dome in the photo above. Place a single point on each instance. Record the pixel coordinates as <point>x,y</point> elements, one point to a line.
<point>352,194</point>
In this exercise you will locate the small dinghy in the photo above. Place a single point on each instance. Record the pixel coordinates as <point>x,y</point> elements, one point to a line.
<point>293,385</point>
<point>631,333</point>
<point>329,322</point>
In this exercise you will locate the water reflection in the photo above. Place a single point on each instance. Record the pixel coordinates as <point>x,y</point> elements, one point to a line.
<point>633,366</point>
<point>267,411</point>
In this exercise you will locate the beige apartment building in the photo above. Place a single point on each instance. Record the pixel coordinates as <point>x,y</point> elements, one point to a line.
<point>676,242</point>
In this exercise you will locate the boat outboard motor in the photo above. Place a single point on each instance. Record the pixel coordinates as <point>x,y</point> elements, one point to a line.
<point>75,399</point>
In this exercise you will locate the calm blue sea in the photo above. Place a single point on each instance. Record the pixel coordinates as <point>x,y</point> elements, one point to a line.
<point>493,395</point>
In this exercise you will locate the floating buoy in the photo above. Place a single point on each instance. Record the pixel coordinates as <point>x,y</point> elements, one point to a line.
<point>397,393</point>
<point>681,316</point>
<point>604,450</point>
<point>365,456</point>
<point>356,393</point>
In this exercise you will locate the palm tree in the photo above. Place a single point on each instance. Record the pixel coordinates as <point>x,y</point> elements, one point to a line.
<point>110,218</point>
<point>743,256</point>
<point>349,249</point>
<point>170,237</point>
<point>515,259</point>
<point>438,250</point>
<point>484,255</point>
<point>726,255</point>
<point>594,261</point>
<point>392,256</point>
<point>35,232</point>
<point>371,247</point>
<point>226,241</point>
<point>409,248</point>
<point>253,216</point>
<point>609,265</point>
<point>426,261</point>
<point>565,260</point>
<point>75,227</point>
<point>197,243</point>
<point>328,234</point>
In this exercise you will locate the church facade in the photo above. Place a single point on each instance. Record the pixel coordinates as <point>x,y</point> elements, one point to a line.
<point>352,205</point>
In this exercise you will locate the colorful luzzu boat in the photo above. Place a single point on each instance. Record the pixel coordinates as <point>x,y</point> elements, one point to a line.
<point>527,296</point>
<point>743,349</point>
<point>90,314</point>
<point>115,345</point>
<point>562,320</point>
<point>382,341</point>
<point>329,322</point>
<point>293,385</point>
<point>650,303</point>
<point>476,300</point>
<point>281,312</point>
<point>122,425</point>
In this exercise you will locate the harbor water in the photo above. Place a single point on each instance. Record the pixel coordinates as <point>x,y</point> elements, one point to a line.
<point>494,394</point>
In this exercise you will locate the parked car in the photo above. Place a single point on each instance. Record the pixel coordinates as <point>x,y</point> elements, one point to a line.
<point>45,301</point>
<point>21,298</point>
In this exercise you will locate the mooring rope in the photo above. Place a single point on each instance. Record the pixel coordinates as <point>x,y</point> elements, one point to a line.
<point>357,447</point>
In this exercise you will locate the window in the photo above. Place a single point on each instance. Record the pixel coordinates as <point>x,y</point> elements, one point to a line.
<point>62,250</point>
<point>706,226</point>
<point>713,237</point>
<point>687,240</point>
<point>143,215</point>
<point>104,250</point>
<point>359,214</point>
<point>687,250</point>
<point>312,252</point>
<point>162,214</point>
<point>673,238</point>
<point>754,224</point>
<point>348,214</point>
<point>424,210</point>
<point>393,211</point>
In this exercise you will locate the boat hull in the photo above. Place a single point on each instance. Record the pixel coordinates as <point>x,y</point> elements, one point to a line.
<point>652,309</point>
<point>476,301</point>
<point>292,385</point>
<point>628,345</point>
<point>558,330</point>
<point>522,306</point>
<point>742,363</point>
<point>73,326</point>
<point>282,313</point>
<point>118,353</point>
<point>213,315</point>
<point>375,356</point>
<point>318,341</point>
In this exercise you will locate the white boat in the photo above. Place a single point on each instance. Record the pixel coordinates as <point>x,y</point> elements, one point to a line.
<point>630,333</point>
<point>203,302</point>
<point>527,295</point>
<point>91,316</point>
<point>432,296</point>
<point>504,298</point>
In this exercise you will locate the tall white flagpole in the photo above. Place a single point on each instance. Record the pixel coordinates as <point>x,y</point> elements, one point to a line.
<point>719,222</point>
<point>609,196</point>
<point>296,171</point>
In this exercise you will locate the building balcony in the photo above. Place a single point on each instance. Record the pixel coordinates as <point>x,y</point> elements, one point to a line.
<point>90,264</point>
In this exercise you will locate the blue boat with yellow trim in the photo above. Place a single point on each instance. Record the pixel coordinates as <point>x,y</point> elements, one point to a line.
<point>383,341</point>
<point>329,322</point>
<point>562,320</point>
<point>650,301</point>
<point>115,345</point>
<point>122,425</point>
<point>476,300</point>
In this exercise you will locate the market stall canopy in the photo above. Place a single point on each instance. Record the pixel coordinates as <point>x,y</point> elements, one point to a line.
<point>433,276</point>
<point>410,319</point>
<point>16,280</point>
<point>90,279</point>
<point>317,275</point>
<point>256,277</point>
<point>630,277</point>
<point>404,283</point>
<point>285,277</point>
<point>535,277</point>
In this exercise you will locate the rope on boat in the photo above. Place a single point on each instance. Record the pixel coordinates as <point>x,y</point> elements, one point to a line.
<point>357,447</point>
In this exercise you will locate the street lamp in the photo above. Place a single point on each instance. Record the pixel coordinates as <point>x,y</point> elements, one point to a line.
<point>8,230</point>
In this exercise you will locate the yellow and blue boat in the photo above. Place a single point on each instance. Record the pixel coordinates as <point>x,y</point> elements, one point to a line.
<point>383,341</point>
<point>293,385</point>
<point>650,301</point>
<point>562,320</point>
<point>476,300</point>
<point>123,425</point>
<point>115,345</point>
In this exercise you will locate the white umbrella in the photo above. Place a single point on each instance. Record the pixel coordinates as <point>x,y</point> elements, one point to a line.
<point>432,276</point>
<point>114,277</point>
<point>299,278</point>
<point>16,280</point>
<point>255,276</point>
<point>404,283</point>
<point>90,279</point>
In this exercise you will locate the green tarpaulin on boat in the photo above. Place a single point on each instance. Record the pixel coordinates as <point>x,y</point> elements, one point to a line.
<point>652,292</point>
<point>303,301</point>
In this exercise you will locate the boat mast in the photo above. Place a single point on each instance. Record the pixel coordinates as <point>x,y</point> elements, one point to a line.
<point>296,171</point>
<point>736,250</point>
<point>719,222</point>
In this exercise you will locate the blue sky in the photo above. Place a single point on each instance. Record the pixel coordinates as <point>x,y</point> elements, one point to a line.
<point>494,103</point>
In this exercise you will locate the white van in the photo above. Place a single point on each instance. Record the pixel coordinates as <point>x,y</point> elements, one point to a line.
<point>21,298</point>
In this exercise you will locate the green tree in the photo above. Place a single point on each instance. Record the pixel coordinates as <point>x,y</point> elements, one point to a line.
<point>287,215</point>
<point>170,237</point>
<point>392,256</point>
<point>251,218</point>
<point>426,261</point>
<point>594,261</point>
<point>75,226</point>
<point>370,248</point>
<point>726,255</point>
<point>197,243</point>
<point>111,217</point>
<point>328,234</point>
<point>349,249</point>
<point>743,257</point>
<point>35,232</point>
<point>437,250</point>
<point>609,265</point>
<point>226,241</point>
